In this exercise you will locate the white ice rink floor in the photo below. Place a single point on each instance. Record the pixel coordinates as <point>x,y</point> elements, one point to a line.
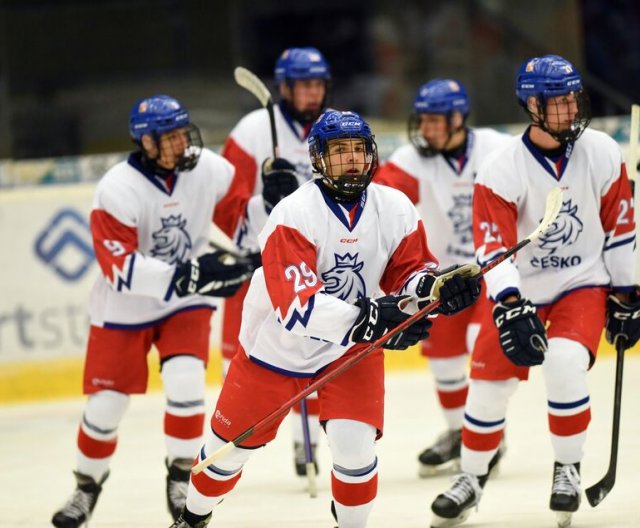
<point>37,455</point>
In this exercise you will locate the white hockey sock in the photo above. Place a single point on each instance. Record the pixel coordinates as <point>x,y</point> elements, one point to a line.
<point>98,432</point>
<point>451,385</point>
<point>354,479</point>
<point>569,407</point>
<point>484,422</point>
<point>184,384</point>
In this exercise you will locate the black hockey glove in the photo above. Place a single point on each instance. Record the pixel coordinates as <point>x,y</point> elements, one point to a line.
<point>457,287</point>
<point>278,180</point>
<point>379,316</point>
<point>623,320</point>
<point>218,274</point>
<point>522,335</point>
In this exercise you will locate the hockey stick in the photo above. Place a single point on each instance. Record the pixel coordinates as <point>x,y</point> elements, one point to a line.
<point>218,239</point>
<point>308,452</point>
<point>596,493</point>
<point>251,82</point>
<point>553,205</point>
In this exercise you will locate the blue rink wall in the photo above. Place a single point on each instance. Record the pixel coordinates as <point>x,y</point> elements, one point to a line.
<point>48,267</point>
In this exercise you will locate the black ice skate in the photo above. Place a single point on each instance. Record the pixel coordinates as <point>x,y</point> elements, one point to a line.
<point>181,523</point>
<point>77,510</point>
<point>565,492</point>
<point>443,456</point>
<point>177,485</point>
<point>454,506</point>
<point>300,459</point>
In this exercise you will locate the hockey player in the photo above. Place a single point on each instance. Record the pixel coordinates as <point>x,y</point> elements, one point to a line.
<point>326,249</point>
<point>436,171</point>
<point>564,281</point>
<point>303,78</point>
<point>150,222</point>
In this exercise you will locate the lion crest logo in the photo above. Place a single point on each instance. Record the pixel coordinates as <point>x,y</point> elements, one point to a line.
<point>171,243</point>
<point>564,231</point>
<point>344,280</point>
<point>461,217</point>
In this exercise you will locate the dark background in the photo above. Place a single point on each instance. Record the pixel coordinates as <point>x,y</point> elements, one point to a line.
<point>71,70</point>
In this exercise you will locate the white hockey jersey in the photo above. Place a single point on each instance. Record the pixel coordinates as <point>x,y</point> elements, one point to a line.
<point>249,144</point>
<point>441,188</point>
<point>318,258</point>
<point>142,229</point>
<point>592,241</point>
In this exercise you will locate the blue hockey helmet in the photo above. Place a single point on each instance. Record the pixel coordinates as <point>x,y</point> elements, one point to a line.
<point>438,96</point>
<point>156,115</point>
<point>441,96</point>
<point>545,77</point>
<point>552,76</point>
<point>301,63</point>
<point>160,114</point>
<point>336,125</point>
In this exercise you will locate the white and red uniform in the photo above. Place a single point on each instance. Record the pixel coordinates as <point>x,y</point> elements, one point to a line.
<point>247,146</point>
<point>142,230</point>
<point>143,226</point>
<point>318,258</point>
<point>567,273</point>
<point>441,188</point>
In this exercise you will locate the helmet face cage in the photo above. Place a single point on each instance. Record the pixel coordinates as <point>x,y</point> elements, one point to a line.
<point>547,77</point>
<point>161,114</point>
<point>191,154</point>
<point>578,125</point>
<point>354,134</point>
<point>439,96</point>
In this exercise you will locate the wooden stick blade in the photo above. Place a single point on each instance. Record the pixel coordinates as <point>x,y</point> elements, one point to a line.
<point>249,81</point>
<point>551,210</point>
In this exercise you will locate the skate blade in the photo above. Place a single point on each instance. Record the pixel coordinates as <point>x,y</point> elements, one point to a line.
<point>444,522</point>
<point>563,519</point>
<point>448,468</point>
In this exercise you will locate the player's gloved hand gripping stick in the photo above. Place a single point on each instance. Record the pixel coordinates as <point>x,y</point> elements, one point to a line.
<point>553,204</point>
